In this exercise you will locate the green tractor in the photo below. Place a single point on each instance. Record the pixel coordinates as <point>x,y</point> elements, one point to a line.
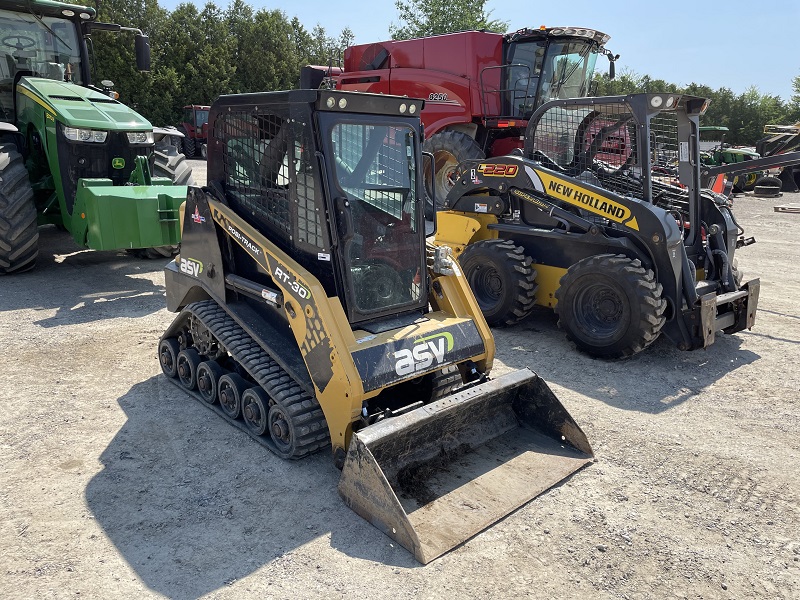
<point>714,152</point>
<point>71,155</point>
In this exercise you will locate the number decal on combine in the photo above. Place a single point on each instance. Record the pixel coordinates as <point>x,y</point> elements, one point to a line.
<point>438,96</point>
<point>498,170</point>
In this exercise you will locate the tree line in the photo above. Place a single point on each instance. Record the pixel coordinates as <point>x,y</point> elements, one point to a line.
<point>201,53</point>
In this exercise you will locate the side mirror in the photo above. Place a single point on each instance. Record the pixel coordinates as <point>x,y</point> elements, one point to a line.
<point>611,70</point>
<point>142,52</point>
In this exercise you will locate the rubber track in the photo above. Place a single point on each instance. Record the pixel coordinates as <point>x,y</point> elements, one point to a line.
<point>304,409</point>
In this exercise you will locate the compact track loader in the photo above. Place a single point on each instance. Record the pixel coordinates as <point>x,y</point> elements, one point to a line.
<point>313,314</point>
<point>603,218</point>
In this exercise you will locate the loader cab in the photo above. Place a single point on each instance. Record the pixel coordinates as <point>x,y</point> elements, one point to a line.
<point>334,179</point>
<point>549,64</point>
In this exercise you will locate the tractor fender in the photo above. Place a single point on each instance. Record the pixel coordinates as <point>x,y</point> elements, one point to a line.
<point>8,128</point>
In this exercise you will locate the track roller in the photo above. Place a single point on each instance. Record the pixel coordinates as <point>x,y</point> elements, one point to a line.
<point>188,361</point>
<point>231,388</point>
<point>208,375</point>
<point>255,408</point>
<point>168,351</point>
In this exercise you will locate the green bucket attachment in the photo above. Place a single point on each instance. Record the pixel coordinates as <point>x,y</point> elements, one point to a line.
<point>436,476</point>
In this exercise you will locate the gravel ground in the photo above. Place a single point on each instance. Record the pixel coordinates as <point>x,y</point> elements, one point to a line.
<point>113,483</point>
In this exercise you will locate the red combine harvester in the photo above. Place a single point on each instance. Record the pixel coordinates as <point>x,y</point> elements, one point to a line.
<point>479,87</point>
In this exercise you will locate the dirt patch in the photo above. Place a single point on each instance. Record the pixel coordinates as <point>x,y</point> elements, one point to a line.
<point>113,483</point>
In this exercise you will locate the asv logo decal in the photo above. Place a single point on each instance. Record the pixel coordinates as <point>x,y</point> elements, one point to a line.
<point>425,353</point>
<point>191,266</point>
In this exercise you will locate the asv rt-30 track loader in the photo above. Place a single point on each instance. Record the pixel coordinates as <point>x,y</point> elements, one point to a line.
<point>313,315</point>
<point>604,220</point>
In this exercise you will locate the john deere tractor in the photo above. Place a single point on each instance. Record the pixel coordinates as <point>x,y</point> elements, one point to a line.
<point>71,154</point>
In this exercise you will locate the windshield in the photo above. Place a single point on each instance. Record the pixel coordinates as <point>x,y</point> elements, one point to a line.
<point>567,70</point>
<point>376,175</point>
<point>42,47</point>
<point>201,118</point>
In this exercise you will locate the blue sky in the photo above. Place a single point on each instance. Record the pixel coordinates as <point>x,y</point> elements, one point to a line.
<point>734,44</point>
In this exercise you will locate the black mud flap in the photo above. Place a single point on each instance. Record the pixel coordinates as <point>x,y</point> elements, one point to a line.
<point>434,477</point>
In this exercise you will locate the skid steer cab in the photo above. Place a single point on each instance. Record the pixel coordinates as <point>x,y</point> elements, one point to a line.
<point>313,314</point>
<point>603,218</point>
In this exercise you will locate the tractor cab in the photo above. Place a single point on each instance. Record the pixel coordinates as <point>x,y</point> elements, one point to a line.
<point>36,46</point>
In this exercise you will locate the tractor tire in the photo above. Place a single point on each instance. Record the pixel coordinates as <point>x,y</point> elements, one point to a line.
<point>168,163</point>
<point>767,187</point>
<point>189,147</point>
<point>171,163</point>
<point>448,148</point>
<point>19,231</point>
<point>502,279</point>
<point>610,306</point>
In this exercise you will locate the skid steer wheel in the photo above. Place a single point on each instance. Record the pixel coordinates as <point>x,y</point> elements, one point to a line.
<point>448,148</point>
<point>19,233</point>
<point>230,389</point>
<point>502,279</point>
<point>610,306</point>
<point>168,350</point>
<point>255,408</point>
<point>188,361</point>
<point>208,375</point>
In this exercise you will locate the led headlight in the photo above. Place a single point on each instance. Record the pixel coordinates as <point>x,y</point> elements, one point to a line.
<point>140,137</point>
<point>77,134</point>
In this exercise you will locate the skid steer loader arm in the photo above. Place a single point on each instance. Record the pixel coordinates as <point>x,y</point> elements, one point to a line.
<point>435,477</point>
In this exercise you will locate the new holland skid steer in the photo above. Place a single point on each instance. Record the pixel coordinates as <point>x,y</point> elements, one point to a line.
<point>312,314</point>
<point>603,218</point>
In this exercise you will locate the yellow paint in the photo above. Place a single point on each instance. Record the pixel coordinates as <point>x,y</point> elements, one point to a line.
<point>35,98</point>
<point>568,191</point>
<point>342,398</point>
<point>457,229</point>
<point>548,280</point>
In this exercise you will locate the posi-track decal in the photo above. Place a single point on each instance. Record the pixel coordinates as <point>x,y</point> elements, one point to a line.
<point>590,200</point>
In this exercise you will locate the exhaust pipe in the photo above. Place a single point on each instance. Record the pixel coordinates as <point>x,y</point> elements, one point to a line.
<point>436,476</point>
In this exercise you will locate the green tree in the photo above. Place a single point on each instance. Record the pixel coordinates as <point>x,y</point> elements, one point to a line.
<point>420,18</point>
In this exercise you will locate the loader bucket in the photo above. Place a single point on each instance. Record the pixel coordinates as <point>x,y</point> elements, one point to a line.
<point>434,477</point>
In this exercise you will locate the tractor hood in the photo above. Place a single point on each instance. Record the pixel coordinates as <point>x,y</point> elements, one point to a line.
<point>79,106</point>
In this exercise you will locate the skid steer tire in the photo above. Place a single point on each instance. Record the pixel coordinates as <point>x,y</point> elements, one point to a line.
<point>19,232</point>
<point>502,279</point>
<point>610,306</point>
<point>448,148</point>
